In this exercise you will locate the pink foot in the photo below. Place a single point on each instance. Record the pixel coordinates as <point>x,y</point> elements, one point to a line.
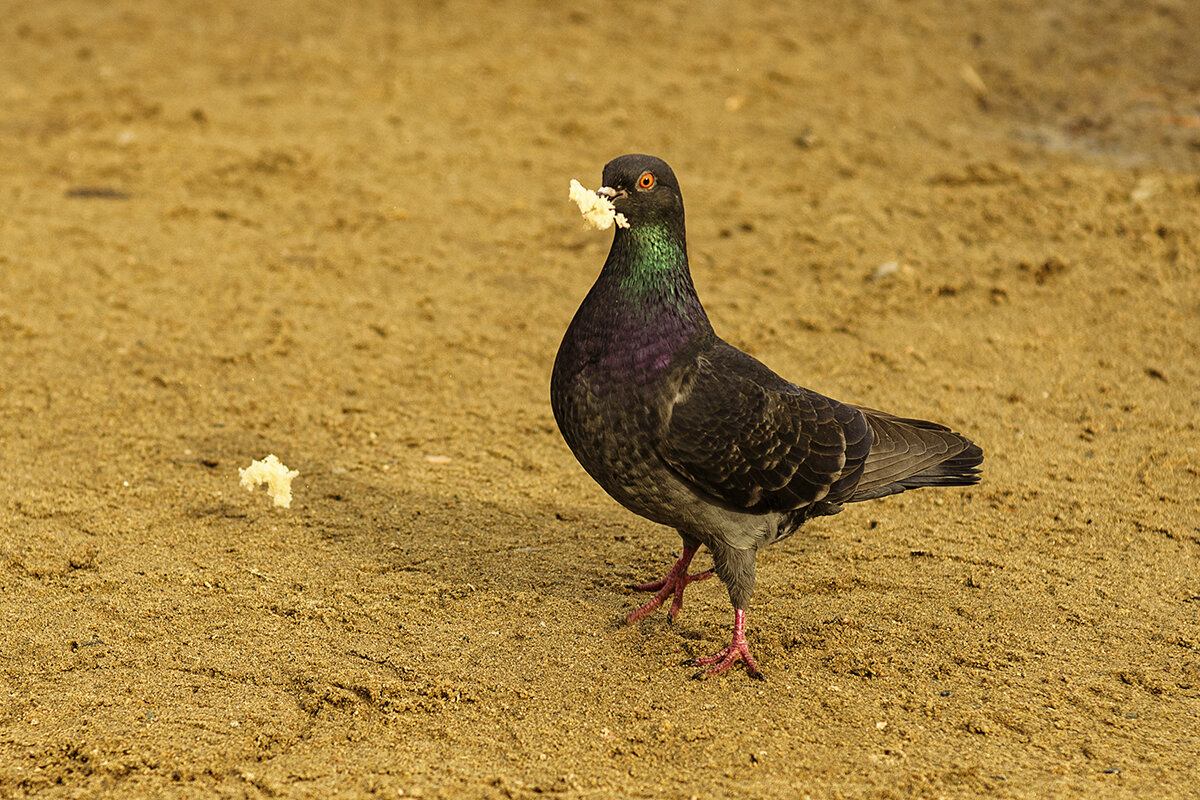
<point>675,582</point>
<point>737,649</point>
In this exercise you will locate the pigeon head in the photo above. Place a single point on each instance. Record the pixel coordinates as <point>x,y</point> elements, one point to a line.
<point>644,189</point>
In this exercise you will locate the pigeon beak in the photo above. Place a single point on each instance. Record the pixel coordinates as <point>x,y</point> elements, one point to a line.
<point>609,193</point>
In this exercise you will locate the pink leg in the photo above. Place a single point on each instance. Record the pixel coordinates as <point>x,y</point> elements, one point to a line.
<point>675,582</point>
<point>738,648</point>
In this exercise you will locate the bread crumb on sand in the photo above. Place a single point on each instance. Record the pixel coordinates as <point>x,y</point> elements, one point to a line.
<point>598,212</point>
<point>275,475</point>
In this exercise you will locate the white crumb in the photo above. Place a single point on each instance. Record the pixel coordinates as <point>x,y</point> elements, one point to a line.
<point>598,212</point>
<point>275,475</point>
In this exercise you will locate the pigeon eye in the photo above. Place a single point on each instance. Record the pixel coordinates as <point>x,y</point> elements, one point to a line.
<point>646,181</point>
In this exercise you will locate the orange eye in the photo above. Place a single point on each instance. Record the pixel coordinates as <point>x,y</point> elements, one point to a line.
<point>646,181</point>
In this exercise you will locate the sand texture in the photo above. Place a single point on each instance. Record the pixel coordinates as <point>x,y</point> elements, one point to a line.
<point>339,233</point>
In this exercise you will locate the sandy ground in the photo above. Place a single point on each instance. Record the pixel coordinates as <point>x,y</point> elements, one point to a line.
<point>339,232</point>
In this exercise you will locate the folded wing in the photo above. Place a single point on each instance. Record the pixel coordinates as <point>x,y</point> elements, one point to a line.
<point>751,440</point>
<point>746,437</point>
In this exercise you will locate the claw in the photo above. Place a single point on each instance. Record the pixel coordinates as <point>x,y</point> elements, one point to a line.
<point>673,584</point>
<point>652,586</point>
<point>738,649</point>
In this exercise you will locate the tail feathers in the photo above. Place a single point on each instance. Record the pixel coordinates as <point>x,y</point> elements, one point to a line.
<point>914,453</point>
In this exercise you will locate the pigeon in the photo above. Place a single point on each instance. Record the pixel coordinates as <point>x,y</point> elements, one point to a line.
<point>686,430</point>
